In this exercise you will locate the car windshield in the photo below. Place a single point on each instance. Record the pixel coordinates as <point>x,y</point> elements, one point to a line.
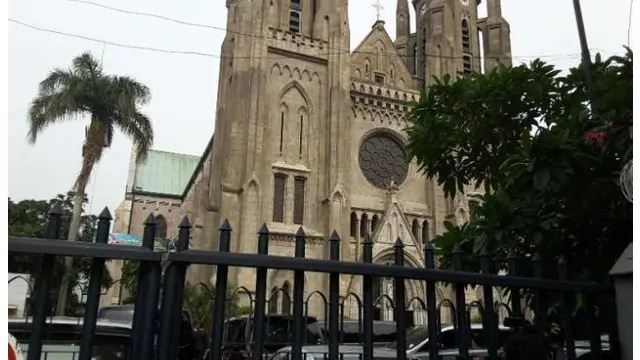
<point>414,337</point>
<point>117,313</point>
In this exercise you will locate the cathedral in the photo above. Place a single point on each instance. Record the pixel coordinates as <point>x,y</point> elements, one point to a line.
<point>310,134</point>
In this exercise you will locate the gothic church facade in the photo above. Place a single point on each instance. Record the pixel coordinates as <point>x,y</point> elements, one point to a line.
<point>310,134</point>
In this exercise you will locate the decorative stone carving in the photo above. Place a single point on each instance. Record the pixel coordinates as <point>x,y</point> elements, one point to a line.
<point>383,160</point>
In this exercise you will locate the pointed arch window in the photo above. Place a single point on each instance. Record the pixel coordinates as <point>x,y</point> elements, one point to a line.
<point>374,222</point>
<point>298,199</point>
<point>466,47</point>
<point>425,232</point>
<point>294,16</point>
<point>273,301</point>
<point>286,298</point>
<point>281,130</point>
<point>353,229</point>
<point>415,229</point>
<point>364,221</point>
<point>161,227</point>
<point>466,37</point>
<point>279,184</point>
<point>473,208</point>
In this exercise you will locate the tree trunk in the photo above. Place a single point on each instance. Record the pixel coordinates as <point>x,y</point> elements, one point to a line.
<point>74,226</point>
<point>94,145</point>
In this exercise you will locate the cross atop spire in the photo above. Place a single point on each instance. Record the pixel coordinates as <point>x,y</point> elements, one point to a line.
<point>378,6</point>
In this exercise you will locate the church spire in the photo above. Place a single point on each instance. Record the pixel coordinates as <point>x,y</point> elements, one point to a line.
<point>402,23</point>
<point>494,9</point>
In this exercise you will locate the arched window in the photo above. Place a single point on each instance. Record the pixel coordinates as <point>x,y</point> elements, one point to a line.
<point>466,37</point>
<point>353,232</point>
<point>286,298</point>
<point>415,229</point>
<point>364,221</point>
<point>298,199</point>
<point>279,185</point>
<point>473,207</point>
<point>273,301</point>
<point>466,47</point>
<point>281,130</point>
<point>425,232</point>
<point>374,222</point>
<point>294,16</point>
<point>161,227</point>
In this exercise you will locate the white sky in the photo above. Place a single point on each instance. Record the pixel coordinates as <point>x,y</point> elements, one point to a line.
<point>184,87</point>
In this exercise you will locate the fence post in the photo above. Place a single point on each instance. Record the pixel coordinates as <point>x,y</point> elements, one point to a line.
<point>367,302</point>
<point>489,318</point>
<point>261,294</point>
<point>145,312</point>
<point>541,301</point>
<point>400,302</point>
<point>592,326</point>
<point>512,263</point>
<point>334,297</point>
<point>95,285</point>
<point>298,301</point>
<point>432,316</point>
<point>173,291</point>
<point>566,310</point>
<point>43,283</point>
<point>463,329</point>
<point>222,271</point>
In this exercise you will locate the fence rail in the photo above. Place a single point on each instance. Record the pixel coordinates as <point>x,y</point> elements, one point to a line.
<point>152,282</point>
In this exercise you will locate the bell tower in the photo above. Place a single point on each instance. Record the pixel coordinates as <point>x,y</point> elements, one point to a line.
<point>496,36</point>
<point>282,124</point>
<point>446,38</point>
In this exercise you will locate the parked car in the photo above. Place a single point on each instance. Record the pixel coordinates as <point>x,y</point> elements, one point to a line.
<point>355,352</point>
<point>191,342</point>
<point>238,335</point>
<point>62,338</point>
<point>417,340</point>
<point>351,332</point>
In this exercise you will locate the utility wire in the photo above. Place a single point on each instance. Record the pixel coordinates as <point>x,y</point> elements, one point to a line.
<point>219,28</point>
<point>198,53</point>
<point>147,48</point>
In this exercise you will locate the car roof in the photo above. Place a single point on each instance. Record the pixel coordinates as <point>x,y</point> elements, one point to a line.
<point>274,316</point>
<point>73,324</point>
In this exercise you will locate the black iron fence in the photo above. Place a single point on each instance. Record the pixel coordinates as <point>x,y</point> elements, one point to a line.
<point>154,338</point>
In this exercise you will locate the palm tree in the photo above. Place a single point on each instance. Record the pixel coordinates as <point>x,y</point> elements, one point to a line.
<point>110,102</point>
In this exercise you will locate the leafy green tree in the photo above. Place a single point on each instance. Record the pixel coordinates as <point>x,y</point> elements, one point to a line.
<point>111,102</point>
<point>547,152</point>
<point>29,218</point>
<point>550,159</point>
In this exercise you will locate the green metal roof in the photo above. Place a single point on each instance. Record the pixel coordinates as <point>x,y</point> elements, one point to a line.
<point>165,173</point>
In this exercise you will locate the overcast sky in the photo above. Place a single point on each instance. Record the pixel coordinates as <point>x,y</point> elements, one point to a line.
<point>184,86</point>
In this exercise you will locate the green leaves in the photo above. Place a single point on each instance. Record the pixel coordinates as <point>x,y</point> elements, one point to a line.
<point>541,179</point>
<point>551,157</point>
<point>85,90</point>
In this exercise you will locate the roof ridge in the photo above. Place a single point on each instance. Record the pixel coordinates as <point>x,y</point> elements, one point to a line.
<point>173,153</point>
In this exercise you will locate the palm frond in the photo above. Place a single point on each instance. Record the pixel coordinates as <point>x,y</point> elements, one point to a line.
<point>57,79</point>
<point>49,109</point>
<point>139,129</point>
<point>127,95</point>
<point>86,66</point>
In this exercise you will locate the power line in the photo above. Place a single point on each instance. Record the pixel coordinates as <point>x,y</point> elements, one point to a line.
<point>161,17</point>
<point>340,51</point>
<point>198,53</point>
<point>147,48</point>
